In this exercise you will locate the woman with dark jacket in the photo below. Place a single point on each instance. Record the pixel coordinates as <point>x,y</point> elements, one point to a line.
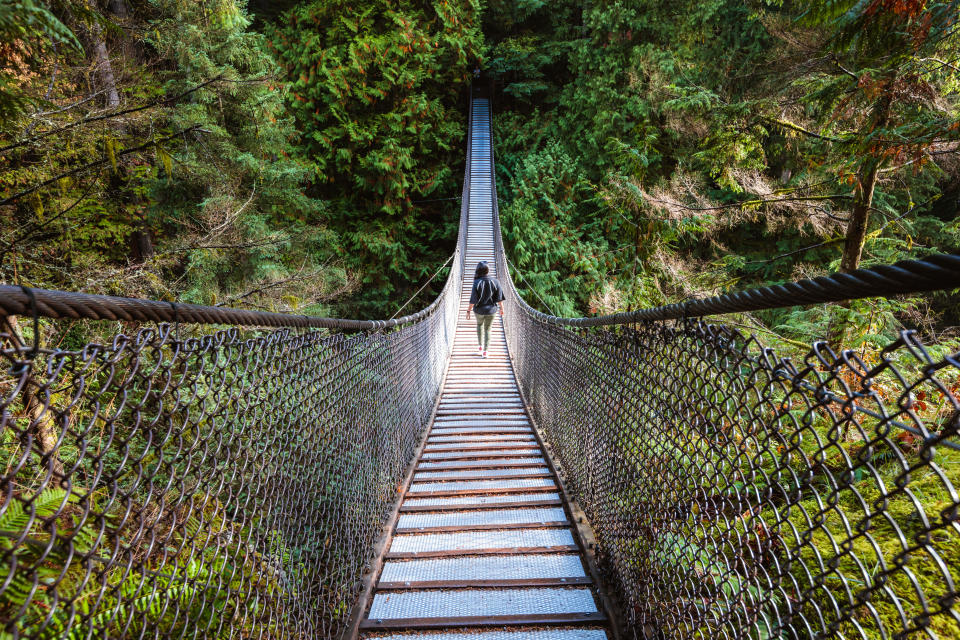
<point>485,297</point>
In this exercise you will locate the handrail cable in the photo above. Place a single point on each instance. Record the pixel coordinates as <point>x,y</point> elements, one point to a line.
<point>424,286</point>
<point>932,273</point>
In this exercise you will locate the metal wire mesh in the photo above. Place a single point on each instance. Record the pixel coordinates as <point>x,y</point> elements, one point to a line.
<point>736,494</point>
<point>229,485</point>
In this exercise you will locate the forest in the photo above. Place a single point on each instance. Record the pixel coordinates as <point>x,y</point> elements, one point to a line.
<point>306,156</point>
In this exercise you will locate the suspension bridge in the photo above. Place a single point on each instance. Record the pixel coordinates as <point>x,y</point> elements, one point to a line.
<point>209,472</point>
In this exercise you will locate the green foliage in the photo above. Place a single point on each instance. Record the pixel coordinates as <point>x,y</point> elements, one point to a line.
<point>378,91</point>
<point>241,179</point>
<point>191,188</point>
<point>29,30</point>
<point>164,593</point>
<point>722,140</point>
<point>558,268</point>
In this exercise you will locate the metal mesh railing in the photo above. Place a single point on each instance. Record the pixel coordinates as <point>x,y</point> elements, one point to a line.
<point>226,485</point>
<point>734,494</point>
<point>180,481</point>
<point>737,494</point>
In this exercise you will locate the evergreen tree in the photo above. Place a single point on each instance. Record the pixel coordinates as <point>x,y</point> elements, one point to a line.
<point>173,175</point>
<point>724,144</point>
<point>378,90</point>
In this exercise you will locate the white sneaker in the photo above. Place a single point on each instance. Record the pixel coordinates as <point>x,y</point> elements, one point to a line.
<point>480,351</point>
<point>484,354</point>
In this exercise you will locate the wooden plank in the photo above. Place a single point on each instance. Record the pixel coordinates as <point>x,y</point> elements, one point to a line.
<point>480,410</point>
<point>482,454</point>
<point>510,440</point>
<point>557,524</point>
<point>504,464</point>
<point>480,492</point>
<point>474,405</point>
<point>464,396</point>
<point>480,476</point>
<point>476,507</point>
<point>499,418</point>
<point>461,430</point>
<point>485,422</point>
<point>484,584</point>
<point>480,439</point>
<point>483,621</point>
<point>500,551</point>
<point>523,447</point>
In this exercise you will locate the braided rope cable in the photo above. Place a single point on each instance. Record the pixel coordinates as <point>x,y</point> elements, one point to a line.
<point>938,272</point>
<point>14,301</point>
<point>932,273</point>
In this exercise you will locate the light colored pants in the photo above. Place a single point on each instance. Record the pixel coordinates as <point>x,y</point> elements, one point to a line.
<point>483,330</point>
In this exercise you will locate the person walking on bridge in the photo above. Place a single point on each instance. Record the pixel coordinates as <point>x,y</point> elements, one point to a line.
<point>485,297</point>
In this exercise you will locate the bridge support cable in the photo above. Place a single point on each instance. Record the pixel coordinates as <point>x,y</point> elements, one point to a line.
<point>736,493</point>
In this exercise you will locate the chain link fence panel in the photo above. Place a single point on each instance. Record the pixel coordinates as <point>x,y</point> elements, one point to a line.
<point>228,484</point>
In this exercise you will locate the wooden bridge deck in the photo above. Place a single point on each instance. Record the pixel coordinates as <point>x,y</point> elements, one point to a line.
<point>483,547</point>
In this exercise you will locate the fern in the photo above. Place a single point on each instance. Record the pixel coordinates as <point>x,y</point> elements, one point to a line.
<point>16,518</point>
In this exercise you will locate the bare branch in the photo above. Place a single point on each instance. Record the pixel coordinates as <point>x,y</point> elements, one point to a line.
<point>271,285</point>
<point>95,163</point>
<point>786,124</point>
<point>106,116</point>
<point>230,217</point>
<point>836,63</point>
<point>32,231</point>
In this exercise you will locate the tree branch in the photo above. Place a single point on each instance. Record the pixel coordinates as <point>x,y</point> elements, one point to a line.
<point>107,116</point>
<point>31,231</point>
<point>836,62</point>
<point>786,124</point>
<point>95,163</point>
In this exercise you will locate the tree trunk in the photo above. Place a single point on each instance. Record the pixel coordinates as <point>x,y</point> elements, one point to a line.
<point>141,245</point>
<point>40,425</point>
<point>118,8</point>
<point>859,219</point>
<point>863,196</point>
<point>104,68</point>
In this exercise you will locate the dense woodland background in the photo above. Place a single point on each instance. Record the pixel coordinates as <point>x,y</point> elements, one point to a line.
<point>307,156</point>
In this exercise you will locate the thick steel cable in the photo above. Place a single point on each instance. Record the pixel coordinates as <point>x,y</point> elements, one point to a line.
<point>933,273</point>
<point>69,305</point>
<point>423,286</point>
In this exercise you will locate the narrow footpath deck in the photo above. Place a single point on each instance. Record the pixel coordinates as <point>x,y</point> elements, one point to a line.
<point>483,541</point>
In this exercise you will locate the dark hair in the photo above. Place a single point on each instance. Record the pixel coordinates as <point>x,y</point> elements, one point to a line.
<point>482,269</point>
